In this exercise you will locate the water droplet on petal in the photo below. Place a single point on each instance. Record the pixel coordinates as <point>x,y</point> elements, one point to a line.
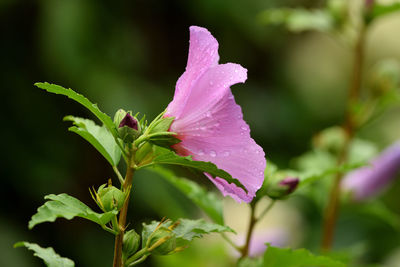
<point>211,83</point>
<point>201,152</point>
<point>208,114</point>
<point>203,128</point>
<point>244,128</point>
<point>213,153</point>
<point>226,153</point>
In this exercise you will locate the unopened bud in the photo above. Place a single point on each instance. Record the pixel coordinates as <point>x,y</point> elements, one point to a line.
<point>110,197</point>
<point>128,126</point>
<point>162,241</point>
<point>282,188</point>
<point>131,243</point>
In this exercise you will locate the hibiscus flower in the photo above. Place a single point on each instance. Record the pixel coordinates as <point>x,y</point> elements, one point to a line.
<point>208,121</point>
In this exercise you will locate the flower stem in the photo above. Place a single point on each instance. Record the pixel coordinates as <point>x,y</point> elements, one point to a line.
<point>268,208</point>
<point>122,215</point>
<point>227,239</point>
<point>332,209</point>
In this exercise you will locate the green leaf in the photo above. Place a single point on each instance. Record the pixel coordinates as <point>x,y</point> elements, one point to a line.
<point>286,257</point>
<point>307,179</point>
<point>48,255</point>
<point>99,137</point>
<point>379,10</point>
<point>206,200</point>
<point>65,206</point>
<point>250,262</point>
<point>104,118</point>
<point>161,125</point>
<point>298,20</point>
<point>166,156</point>
<point>186,230</point>
<point>378,209</point>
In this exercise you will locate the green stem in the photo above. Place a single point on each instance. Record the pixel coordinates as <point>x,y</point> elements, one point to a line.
<point>227,239</point>
<point>142,259</point>
<point>267,209</point>
<point>122,215</point>
<point>252,223</point>
<point>141,253</point>
<point>120,178</point>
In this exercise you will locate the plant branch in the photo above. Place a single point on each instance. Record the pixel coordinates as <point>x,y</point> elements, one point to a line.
<point>122,215</point>
<point>350,125</point>
<point>252,223</point>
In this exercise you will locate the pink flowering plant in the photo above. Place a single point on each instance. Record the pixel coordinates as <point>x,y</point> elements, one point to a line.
<point>203,130</point>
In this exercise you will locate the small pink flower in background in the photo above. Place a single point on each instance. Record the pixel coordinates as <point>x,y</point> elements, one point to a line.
<point>209,122</point>
<point>370,180</point>
<point>275,237</point>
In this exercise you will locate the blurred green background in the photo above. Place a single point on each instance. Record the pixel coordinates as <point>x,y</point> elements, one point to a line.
<point>129,54</point>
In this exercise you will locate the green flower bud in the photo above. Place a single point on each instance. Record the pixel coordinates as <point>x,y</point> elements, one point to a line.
<point>385,77</point>
<point>130,243</point>
<point>110,197</point>
<point>162,241</point>
<point>331,139</point>
<point>280,188</point>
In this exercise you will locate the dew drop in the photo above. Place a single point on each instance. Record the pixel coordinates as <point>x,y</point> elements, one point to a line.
<point>244,128</point>
<point>208,114</point>
<point>211,83</point>
<point>201,152</point>
<point>226,153</point>
<point>213,153</point>
<point>203,128</point>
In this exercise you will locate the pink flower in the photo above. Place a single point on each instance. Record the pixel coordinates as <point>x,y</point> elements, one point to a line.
<point>370,180</point>
<point>209,122</point>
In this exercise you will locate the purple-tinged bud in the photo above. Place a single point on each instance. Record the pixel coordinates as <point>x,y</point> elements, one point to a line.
<point>128,126</point>
<point>129,121</point>
<point>291,183</point>
<point>370,180</point>
<point>282,188</point>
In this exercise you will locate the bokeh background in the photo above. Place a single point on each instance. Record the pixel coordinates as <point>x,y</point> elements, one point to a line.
<point>129,54</point>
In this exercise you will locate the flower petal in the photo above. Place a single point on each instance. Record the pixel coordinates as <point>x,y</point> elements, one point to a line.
<point>369,180</point>
<point>212,129</point>
<point>203,54</point>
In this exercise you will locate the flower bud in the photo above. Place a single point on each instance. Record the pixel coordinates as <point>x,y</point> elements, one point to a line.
<point>128,126</point>
<point>110,197</point>
<point>119,115</point>
<point>331,139</point>
<point>163,240</point>
<point>130,243</point>
<point>385,77</point>
<point>282,188</point>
